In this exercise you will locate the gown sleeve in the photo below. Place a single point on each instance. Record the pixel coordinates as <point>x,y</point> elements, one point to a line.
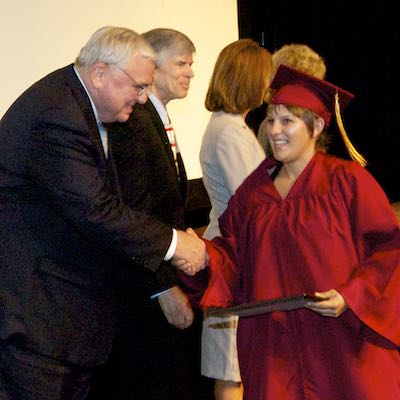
<point>372,292</point>
<point>224,272</point>
<point>219,284</point>
<point>230,253</point>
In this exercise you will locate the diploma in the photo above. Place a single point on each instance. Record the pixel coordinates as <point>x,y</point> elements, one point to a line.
<point>265,306</point>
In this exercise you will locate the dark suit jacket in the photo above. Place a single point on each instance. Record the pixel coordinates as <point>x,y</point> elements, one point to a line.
<point>62,228</point>
<point>148,177</point>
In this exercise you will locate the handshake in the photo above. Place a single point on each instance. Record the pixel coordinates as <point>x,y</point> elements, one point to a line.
<point>191,254</point>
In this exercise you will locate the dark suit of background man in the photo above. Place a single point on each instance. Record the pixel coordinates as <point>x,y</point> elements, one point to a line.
<point>155,352</point>
<point>64,229</point>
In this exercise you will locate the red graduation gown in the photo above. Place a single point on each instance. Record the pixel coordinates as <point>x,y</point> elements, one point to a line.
<point>335,229</point>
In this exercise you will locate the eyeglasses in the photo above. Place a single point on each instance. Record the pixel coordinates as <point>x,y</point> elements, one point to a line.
<point>140,89</point>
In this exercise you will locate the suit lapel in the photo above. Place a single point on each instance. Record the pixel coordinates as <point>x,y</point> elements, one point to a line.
<point>106,164</point>
<point>182,178</point>
<point>112,172</point>
<point>85,106</point>
<point>161,131</point>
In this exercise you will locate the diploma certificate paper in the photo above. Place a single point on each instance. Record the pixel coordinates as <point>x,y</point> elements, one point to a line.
<point>262,307</point>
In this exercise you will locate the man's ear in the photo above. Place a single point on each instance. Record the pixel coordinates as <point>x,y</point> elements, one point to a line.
<point>319,125</point>
<point>98,73</point>
<point>156,75</point>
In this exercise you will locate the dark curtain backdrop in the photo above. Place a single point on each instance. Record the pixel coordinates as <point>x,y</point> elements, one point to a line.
<point>360,45</point>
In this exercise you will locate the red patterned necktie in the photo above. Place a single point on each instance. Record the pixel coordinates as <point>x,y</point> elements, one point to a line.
<point>172,141</point>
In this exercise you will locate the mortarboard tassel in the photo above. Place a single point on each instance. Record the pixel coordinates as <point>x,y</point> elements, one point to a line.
<point>354,154</point>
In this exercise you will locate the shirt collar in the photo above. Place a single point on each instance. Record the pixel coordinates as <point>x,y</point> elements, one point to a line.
<point>91,101</point>
<point>161,110</point>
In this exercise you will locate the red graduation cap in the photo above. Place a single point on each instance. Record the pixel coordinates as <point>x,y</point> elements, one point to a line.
<point>292,87</point>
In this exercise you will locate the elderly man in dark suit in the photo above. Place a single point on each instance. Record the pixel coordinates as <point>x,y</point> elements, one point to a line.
<point>158,359</point>
<point>64,229</point>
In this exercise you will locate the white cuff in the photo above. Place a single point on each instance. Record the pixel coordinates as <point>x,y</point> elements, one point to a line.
<point>172,246</point>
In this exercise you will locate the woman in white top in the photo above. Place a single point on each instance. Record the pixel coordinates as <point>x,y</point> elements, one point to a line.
<point>229,153</point>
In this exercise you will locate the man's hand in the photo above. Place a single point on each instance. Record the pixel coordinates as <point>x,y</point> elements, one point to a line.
<point>190,254</point>
<point>176,307</point>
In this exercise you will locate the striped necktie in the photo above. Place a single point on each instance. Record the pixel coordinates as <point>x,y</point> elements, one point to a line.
<point>172,142</point>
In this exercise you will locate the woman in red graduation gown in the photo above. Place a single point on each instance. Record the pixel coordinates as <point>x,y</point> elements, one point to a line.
<point>311,223</point>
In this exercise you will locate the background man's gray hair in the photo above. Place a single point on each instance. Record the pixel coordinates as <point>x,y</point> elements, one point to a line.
<point>168,42</point>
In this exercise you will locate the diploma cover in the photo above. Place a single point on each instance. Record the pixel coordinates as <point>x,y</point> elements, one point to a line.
<point>265,306</point>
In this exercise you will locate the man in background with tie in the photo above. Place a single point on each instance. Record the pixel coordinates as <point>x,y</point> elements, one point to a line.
<point>156,359</point>
<point>64,230</point>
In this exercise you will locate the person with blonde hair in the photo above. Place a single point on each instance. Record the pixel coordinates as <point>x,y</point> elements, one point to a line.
<point>229,153</point>
<point>301,57</point>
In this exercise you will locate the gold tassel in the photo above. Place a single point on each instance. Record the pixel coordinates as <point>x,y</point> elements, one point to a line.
<point>354,154</point>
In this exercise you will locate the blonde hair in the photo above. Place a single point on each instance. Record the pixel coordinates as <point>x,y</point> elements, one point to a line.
<point>112,45</point>
<point>240,79</point>
<point>300,57</point>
